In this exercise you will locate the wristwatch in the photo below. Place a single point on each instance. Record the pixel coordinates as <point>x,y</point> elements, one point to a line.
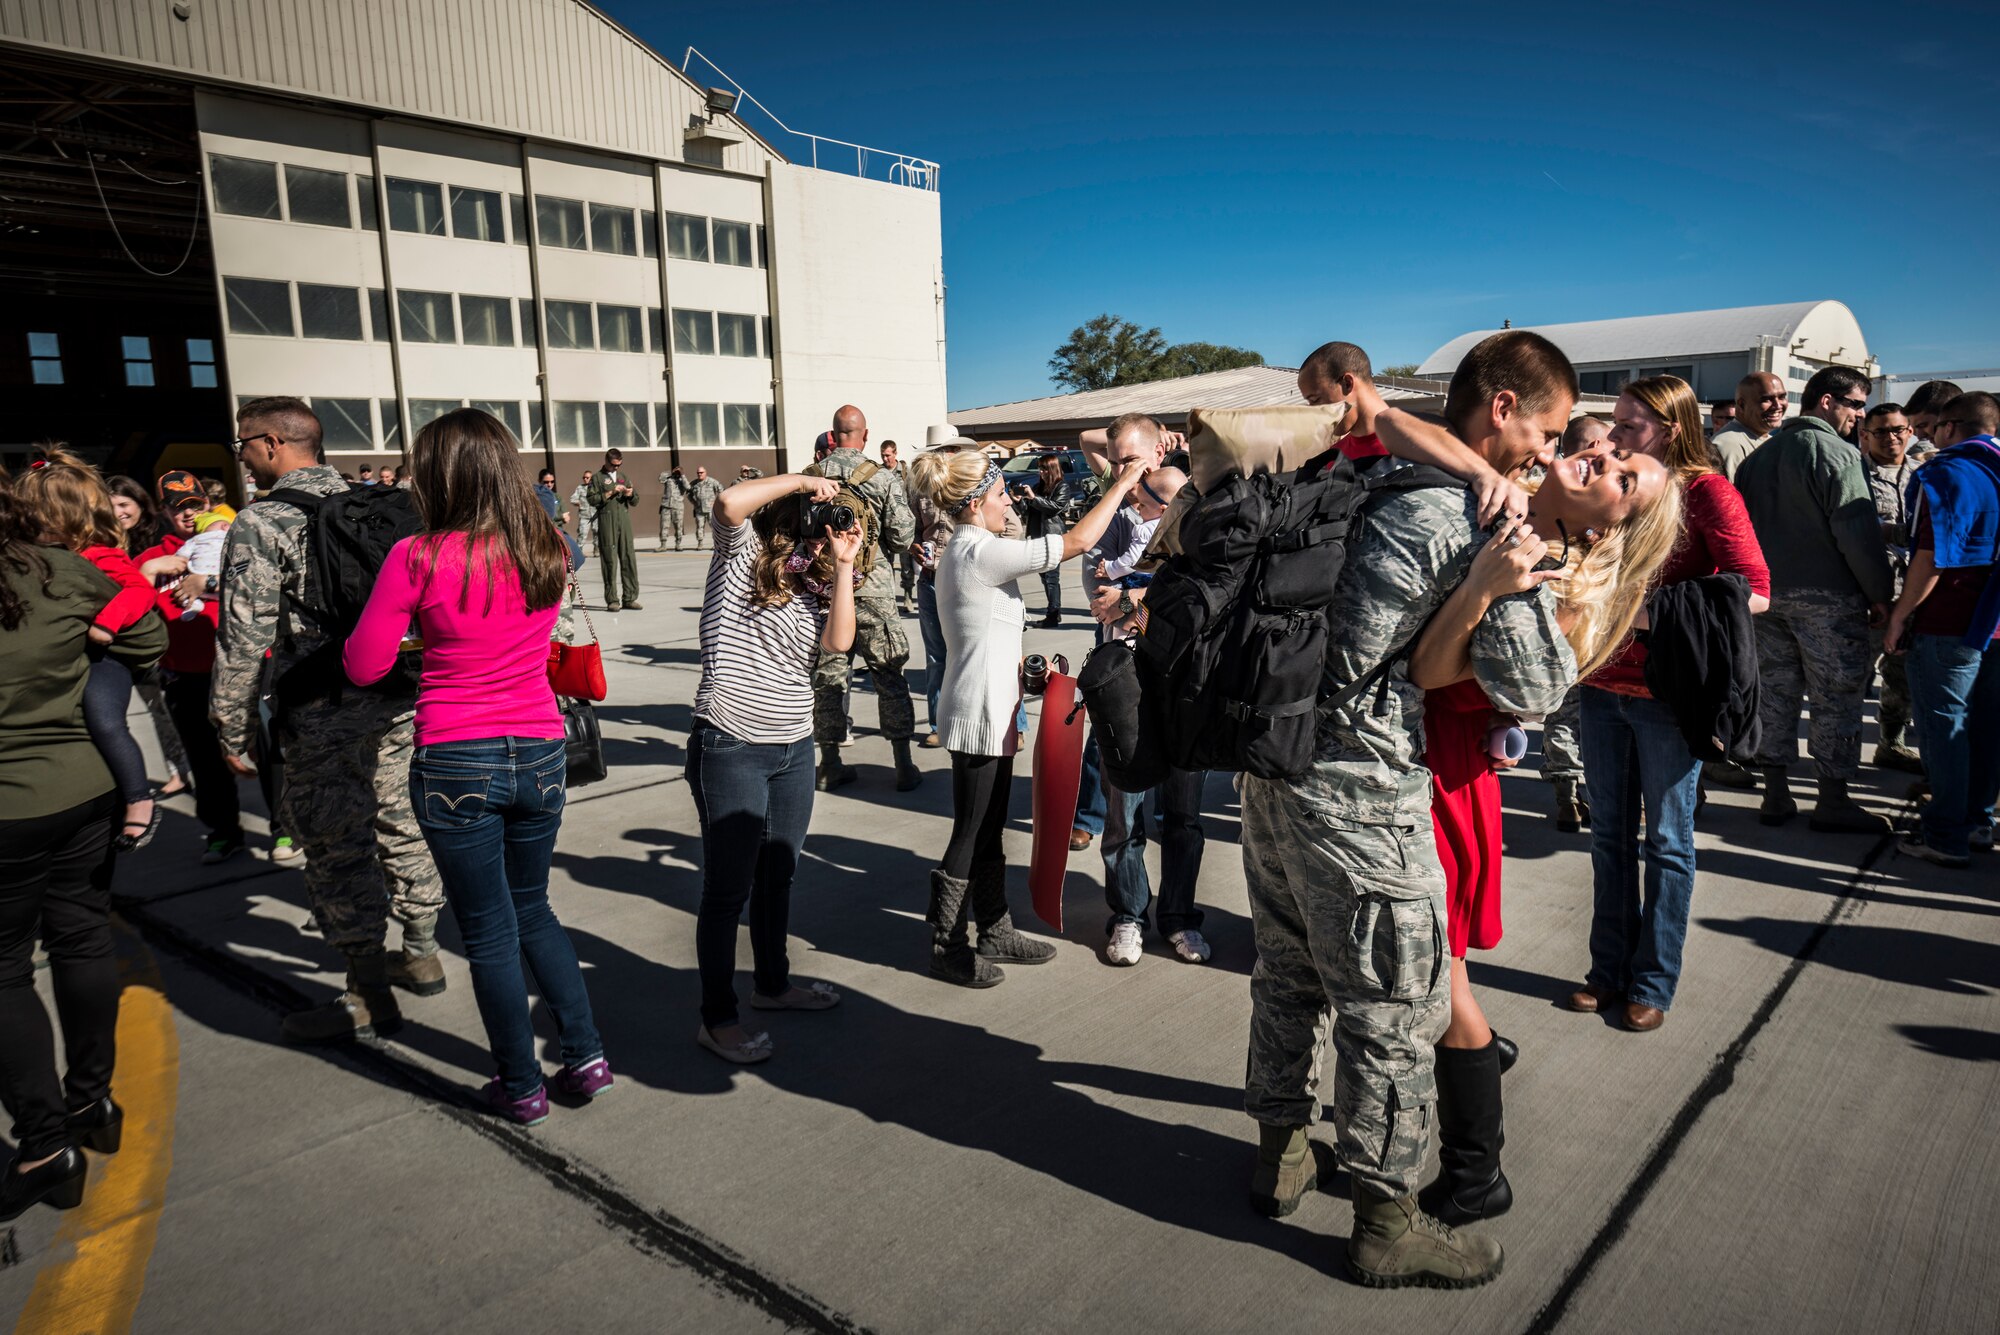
<point>1125,603</point>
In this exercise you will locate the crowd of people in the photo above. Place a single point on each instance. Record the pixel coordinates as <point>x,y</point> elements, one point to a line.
<point>1659,593</point>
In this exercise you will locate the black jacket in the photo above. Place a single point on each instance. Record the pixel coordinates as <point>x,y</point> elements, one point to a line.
<point>1701,662</point>
<point>1044,512</point>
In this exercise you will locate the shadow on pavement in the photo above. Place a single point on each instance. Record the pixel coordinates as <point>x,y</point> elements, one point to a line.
<point>1935,960</point>
<point>1969,1045</point>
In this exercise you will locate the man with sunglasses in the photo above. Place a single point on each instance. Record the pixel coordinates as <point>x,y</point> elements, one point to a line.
<point>1760,409</point>
<point>1806,489</point>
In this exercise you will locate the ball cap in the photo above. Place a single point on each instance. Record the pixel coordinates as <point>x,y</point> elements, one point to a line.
<point>179,488</point>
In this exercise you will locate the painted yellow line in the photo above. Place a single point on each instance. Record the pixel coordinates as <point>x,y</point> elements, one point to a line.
<point>106,1242</point>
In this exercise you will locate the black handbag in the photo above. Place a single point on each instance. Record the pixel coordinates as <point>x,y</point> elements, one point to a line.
<point>583,744</point>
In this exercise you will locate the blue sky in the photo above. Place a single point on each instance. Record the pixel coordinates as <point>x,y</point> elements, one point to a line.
<point>1273,177</point>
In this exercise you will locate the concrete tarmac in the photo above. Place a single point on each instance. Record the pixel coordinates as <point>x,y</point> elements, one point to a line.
<point>1808,1144</point>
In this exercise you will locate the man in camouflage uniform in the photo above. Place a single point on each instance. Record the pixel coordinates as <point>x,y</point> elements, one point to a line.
<point>1806,491</point>
<point>702,497</point>
<point>346,793</point>
<point>673,506</point>
<point>906,561</point>
<point>586,516</point>
<point>612,496</point>
<point>878,630</point>
<point>1347,898</point>
<point>1885,444</point>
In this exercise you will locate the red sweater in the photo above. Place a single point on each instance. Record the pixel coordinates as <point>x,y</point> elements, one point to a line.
<point>134,599</point>
<point>1716,539</point>
<point>190,643</point>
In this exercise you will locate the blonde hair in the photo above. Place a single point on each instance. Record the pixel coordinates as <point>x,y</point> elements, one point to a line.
<point>946,478</point>
<point>1606,583</point>
<point>68,497</point>
<point>1672,400</point>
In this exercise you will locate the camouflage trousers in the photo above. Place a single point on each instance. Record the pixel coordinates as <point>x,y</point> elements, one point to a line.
<point>879,639</point>
<point>702,518</point>
<point>347,800</point>
<point>673,519</point>
<point>1814,643</point>
<point>1348,919</point>
<point>1892,713</point>
<point>1562,751</point>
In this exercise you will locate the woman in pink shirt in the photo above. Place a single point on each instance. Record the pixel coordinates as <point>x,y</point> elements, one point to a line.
<point>480,587</point>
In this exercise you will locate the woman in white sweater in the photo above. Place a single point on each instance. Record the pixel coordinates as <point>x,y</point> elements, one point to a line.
<point>983,618</point>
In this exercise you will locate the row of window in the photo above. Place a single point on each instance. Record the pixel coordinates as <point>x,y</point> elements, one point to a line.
<point>365,424</point>
<point>45,364</point>
<point>265,306</point>
<point>251,188</point>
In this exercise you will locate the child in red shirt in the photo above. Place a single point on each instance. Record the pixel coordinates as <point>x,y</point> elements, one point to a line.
<point>74,507</point>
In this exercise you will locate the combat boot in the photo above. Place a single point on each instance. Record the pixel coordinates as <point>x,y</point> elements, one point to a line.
<point>1896,756</point>
<point>1572,812</point>
<point>1469,1185</point>
<point>1837,813</point>
<point>833,774</point>
<point>908,776</point>
<point>1396,1245</point>
<point>999,939</point>
<point>952,958</point>
<point>1778,806</point>
<point>367,1009</point>
<point>416,967</point>
<point>1286,1170</point>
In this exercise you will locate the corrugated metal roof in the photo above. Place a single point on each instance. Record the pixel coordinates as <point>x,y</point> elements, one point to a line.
<point>547,69</point>
<point>1651,337</point>
<point>1243,387</point>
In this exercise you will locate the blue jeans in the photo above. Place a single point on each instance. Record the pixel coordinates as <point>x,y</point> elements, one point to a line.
<point>1633,752</point>
<point>490,811</point>
<point>1177,810</point>
<point>1090,789</point>
<point>1955,697</point>
<point>754,801</point>
<point>932,631</point>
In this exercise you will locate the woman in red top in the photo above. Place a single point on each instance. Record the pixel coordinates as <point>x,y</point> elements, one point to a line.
<point>190,661</point>
<point>68,498</point>
<point>1639,924</point>
<point>1615,516</point>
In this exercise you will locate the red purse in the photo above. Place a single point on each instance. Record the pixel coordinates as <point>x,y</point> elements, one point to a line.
<point>577,670</point>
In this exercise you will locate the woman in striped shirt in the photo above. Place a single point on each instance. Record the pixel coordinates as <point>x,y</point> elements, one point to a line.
<point>775,598</point>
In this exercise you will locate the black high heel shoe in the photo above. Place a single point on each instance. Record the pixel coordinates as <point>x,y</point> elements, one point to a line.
<point>1510,1053</point>
<point>99,1126</point>
<point>59,1183</point>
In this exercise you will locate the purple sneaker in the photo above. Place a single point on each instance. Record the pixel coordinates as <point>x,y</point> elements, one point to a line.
<point>586,1080</point>
<point>530,1111</point>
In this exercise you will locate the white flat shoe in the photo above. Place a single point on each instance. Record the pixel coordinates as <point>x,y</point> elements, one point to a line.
<point>753,1049</point>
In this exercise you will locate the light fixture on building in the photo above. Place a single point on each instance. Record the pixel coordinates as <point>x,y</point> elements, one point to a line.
<point>722,101</point>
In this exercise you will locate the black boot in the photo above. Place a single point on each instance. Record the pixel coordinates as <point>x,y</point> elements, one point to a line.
<point>908,776</point>
<point>1469,1185</point>
<point>999,939</point>
<point>833,774</point>
<point>99,1126</point>
<point>952,957</point>
<point>59,1182</point>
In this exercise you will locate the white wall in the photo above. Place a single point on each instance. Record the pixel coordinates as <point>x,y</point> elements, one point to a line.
<point>860,288</point>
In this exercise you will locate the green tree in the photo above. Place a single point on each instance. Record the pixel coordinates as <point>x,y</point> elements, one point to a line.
<point>1110,350</point>
<point>1400,368</point>
<point>1196,358</point>
<point>1105,351</point>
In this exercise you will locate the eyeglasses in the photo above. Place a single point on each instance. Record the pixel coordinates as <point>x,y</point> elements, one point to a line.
<point>1855,403</point>
<point>1886,431</point>
<point>236,446</point>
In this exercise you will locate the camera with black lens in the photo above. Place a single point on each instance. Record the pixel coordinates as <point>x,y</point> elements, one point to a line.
<point>816,517</point>
<point>1035,671</point>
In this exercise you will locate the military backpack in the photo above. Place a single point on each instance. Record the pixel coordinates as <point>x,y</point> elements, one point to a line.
<point>348,537</point>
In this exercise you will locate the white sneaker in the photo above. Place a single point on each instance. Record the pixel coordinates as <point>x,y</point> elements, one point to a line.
<point>1190,946</point>
<point>1125,948</point>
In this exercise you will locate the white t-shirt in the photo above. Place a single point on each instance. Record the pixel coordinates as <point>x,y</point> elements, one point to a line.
<point>756,662</point>
<point>980,611</point>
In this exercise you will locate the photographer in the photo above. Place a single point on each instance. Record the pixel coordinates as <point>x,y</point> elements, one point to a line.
<point>1043,505</point>
<point>983,621</point>
<point>778,595</point>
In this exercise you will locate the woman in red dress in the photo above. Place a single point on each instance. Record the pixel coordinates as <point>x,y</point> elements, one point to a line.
<point>1608,518</point>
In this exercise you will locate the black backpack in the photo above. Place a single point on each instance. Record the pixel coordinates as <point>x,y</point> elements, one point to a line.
<point>348,537</point>
<point>1230,670</point>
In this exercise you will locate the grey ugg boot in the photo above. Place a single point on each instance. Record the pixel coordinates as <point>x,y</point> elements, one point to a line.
<point>999,939</point>
<point>952,958</point>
